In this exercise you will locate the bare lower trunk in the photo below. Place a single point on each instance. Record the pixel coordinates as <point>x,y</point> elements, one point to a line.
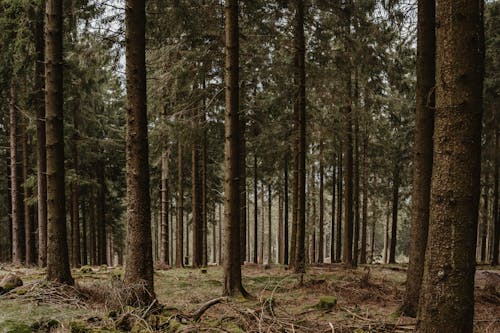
<point>179,248</point>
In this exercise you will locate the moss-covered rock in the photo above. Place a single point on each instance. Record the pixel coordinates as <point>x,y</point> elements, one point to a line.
<point>326,303</point>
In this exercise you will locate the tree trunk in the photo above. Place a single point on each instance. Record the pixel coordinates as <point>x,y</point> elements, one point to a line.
<point>269,226</point>
<point>321,206</point>
<point>84,235</point>
<point>232,153</point>
<point>243,190</point>
<point>422,153</point>
<point>179,244</point>
<point>386,234</point>
<point>300,83</point>
<point>262,225</point>
<point>164,239</point>
<point>395,202</point>
<point>101,215</point>
<point>28,221</point>
<point>255,212</point>
<point>332,226</point>
<point>355,252</point>
<point>196,204</point>
<point>364,222</point>
<point>285,231</point>
<point>75,218</point>
<point>57,246</point>
<point>139,266</point>
<point>280,227</point>
<point>41,164</point>
<point>447,295</point>
<point>220,261</point>
<point>340,191</point>
<point>18,245</point>
<point>496,217</point>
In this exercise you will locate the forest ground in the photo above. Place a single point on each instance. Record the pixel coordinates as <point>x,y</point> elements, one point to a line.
<point>363,300</point>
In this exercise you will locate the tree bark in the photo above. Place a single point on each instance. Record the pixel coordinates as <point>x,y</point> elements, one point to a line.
<point>269,226</point>
<point>29,229</point>
<point>364,218</point>
<point>232,258</point>
<point>196,203</point>
<point>101,215</point>
<point>447,295</point>
<point>496,216</point>
<point>164,239</point>
<point>395,203</point>
<point>300,84</point>
<point>285,199</point>
<point>75,213</point>
<point>255,212</point>
<point>57,246</point>
<point>340,191</point>
<point>139,268</point>
<point>243,190</point>
<point>334,198</point>
<point>179,245</point>
<point>422,153</point>
<point>321,206</point>
<point>41,164</point>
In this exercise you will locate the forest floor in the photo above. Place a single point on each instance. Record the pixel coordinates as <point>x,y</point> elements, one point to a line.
<point>330,299</point>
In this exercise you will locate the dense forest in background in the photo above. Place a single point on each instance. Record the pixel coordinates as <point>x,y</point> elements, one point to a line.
<point>326,101</point>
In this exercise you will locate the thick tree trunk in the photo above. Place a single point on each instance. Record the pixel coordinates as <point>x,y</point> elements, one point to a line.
<point>179,244</point>
<point>41,164</point>
<point>447,295</point>
<point>57,246</point>
<point>484,224</point>
<point>139,268</point>
<point>232,258</point>
<point>422,153</point>
<point>300,83</point>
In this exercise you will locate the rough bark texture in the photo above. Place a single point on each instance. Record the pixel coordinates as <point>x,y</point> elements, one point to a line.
<point>57,247</point>
<point>422,153</point>
<point>232,259</point>
<point>364,217</point>
<point>139,268</point>
<point>447,295</point>
<point>496,216</point>
<point>41,161</point>
<point>300,85</point>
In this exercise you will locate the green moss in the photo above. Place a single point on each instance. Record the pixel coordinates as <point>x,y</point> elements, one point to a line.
<point>78,327</point>
<point>326,303</point>
<point>10,326</point>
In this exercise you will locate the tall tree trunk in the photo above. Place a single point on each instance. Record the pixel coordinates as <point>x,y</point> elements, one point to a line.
<point>395,202</point>
<point>18,246</point>
<point>214,239</point>
<point>280,227</point>
<point>262,225</point>
<point>75,213</point>
<point>28,221</point>
<point>243,190</point>
<point>204,209</point>
<point>484,224</point>
<point>84,235</point>
<point>295,182</point>
<point>255,212</point>
<point>356,191</point>
<point>386,234</point>
<point>220,261</point>
<point>422,153</point>
<point>101,215</point>
<point>364,218</point>
<point>496,217</point>
<point>340,191</point>
<point>57,246</point>
<point>332,226</point>
<point>447,295</point>
<point>196,203</point>
<point>139,266</point>
<point>347,254</point>
<point>300,84</point>
<point>41,164</point>
<point>269,226</point>
<point>321,206</point>
<point>232,153</point>
<point>179,245</point>
<point>92,229</point>
<point>285,231</point>
<point>164,239</point>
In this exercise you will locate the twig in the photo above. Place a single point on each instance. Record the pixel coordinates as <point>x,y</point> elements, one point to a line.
<point>198,313</point>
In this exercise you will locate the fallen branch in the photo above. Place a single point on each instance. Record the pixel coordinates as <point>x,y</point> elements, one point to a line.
<point>198,313</point>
